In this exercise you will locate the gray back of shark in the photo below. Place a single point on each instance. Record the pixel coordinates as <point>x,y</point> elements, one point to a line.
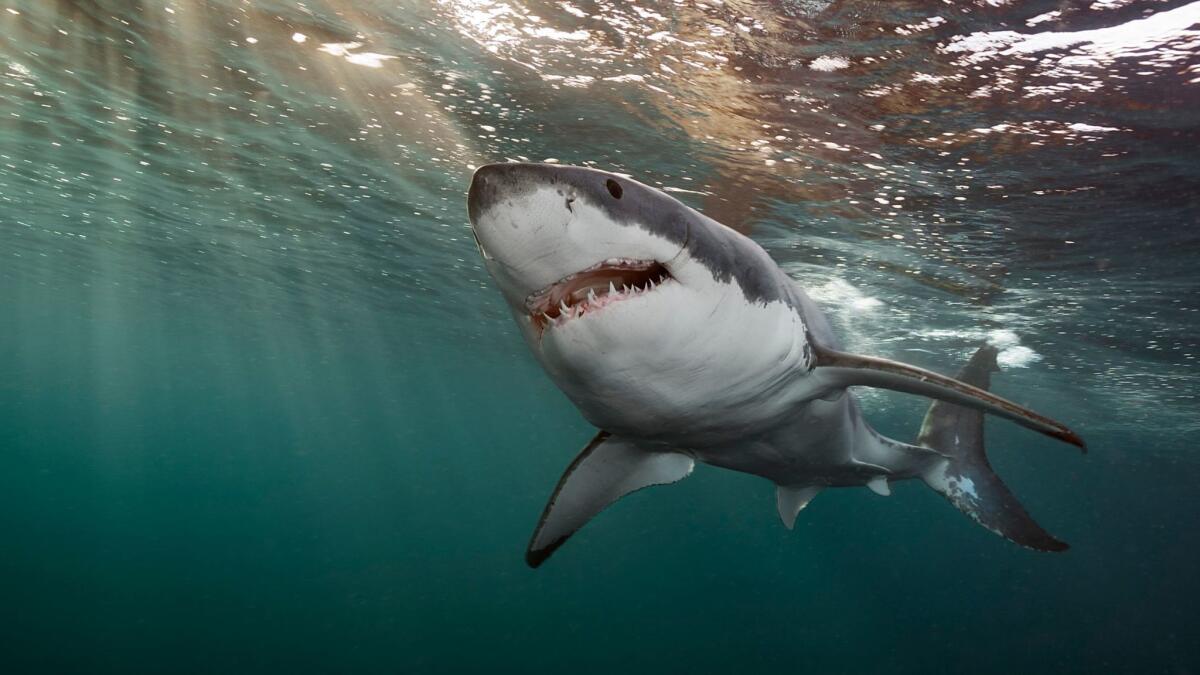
<point>683,341</point>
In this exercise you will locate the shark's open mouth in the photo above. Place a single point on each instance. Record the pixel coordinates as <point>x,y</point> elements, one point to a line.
<point>611,281</point>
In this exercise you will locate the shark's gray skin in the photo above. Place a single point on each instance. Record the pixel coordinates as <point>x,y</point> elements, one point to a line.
<point>683,341</point>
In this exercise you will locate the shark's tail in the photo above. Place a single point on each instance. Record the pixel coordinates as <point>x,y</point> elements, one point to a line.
<point>963,475</point>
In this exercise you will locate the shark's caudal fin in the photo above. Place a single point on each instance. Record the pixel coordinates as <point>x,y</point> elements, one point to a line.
<point>964,475</point>
<point>840,369</point>
<point>608,468</point>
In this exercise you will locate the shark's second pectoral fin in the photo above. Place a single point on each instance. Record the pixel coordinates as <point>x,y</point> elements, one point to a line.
<point>608,468</point>
<point>791,501</point>
<point>840,369</point>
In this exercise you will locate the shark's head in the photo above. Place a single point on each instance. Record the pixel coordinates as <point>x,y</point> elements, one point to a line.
<point>551,235</point>
<point>628,297</point>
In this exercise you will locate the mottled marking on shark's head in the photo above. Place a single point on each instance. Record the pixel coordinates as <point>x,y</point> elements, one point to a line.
<point>611,280</point>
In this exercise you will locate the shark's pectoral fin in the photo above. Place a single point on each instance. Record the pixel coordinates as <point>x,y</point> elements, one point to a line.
<point>791,501</point>
<point>608,468</point>
<point>840,369</point>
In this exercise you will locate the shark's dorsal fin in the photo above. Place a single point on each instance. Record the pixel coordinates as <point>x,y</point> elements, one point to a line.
<point>791,501</point>
<point>841,369</point>
<point>608,468</point>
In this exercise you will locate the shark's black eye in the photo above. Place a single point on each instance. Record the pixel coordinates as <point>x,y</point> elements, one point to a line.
<point>614,188</point>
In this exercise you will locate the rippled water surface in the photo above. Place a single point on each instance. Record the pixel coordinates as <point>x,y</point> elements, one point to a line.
<point>261,407</point>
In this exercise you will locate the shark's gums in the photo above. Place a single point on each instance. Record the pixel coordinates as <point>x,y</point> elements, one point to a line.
<point>683,341</point>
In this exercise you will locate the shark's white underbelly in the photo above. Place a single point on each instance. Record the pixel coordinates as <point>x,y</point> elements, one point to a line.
<point>670,383</point>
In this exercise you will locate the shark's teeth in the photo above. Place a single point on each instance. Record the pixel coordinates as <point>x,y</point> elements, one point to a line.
<point>576,298</point>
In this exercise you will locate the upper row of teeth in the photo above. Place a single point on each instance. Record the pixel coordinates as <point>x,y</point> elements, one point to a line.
<point>612,290</point>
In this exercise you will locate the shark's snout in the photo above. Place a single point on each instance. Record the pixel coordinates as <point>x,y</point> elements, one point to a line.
<point>561,186</point>
<point>486,188</point>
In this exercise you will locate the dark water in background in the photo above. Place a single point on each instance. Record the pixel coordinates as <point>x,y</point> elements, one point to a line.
<point>261,409</point>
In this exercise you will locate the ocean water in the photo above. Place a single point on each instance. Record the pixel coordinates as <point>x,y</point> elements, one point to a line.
<point>261,408</point>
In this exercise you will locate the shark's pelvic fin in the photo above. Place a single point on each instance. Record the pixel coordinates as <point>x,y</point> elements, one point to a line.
<point>879,485</point>
<point>963,474</point>
<point>791,501</point>
<point>846,370</point>
<point>608,468</point>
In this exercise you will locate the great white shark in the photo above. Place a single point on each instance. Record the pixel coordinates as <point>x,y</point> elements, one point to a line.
<point>683,341</point>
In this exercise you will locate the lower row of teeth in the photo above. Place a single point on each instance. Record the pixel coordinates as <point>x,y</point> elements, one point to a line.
<point>568,312</point>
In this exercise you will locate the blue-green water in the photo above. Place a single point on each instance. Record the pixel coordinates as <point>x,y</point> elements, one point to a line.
<point>261,409</point>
